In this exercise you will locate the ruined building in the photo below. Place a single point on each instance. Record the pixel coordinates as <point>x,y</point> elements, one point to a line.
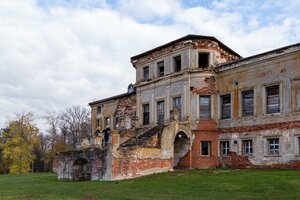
<point>196,104</point>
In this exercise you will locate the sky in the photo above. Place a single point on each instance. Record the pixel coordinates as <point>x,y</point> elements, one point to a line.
<point>55,54</point>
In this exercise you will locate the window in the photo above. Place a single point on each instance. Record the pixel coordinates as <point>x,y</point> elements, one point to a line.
<point>247,147</point>
<point>177,63</point>
<point>273,101</point>
<point>107,121</point>
<point>99,109</point>
<point>160,112</point>
<point>226,106</point>
<point>203,60</point>
<point>224,147</point>
<point>146,73</point>
<point>117,122</point>
<point>273,146</point>
<point>248,103</point>
<point>205,148</point>
<point>177,105</point>
<point>205,112</point>
<point>98,122</point>
<point>146,114</point>
<point>160,69</point>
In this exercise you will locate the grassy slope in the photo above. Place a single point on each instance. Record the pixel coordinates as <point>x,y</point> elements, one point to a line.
<point>196,184</point>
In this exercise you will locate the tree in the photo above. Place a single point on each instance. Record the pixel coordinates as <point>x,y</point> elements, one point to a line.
<point>21,137</point>
<point>75,125</point>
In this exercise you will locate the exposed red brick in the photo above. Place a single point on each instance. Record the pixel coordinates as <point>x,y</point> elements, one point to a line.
<point>129,167</point>
<point>209,89</point>
<point>282,125</point>
<point>233,160</point>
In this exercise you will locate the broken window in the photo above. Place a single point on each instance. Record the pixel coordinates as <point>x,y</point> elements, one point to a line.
<point>99,109</point>
<point>248,103</point>
<point>177,105</point>
<point>146,73</point>
<point>146,114</point>
<point>203,60</point>
<point>177,63</point>
<point>273,100</point>
<point>160,69</point>
<point>205,148</point>
<point>98,122</point>
<point>224,147</point>
<point>160,112</point>
<point>226,106</point>
<point>247,147</point>
<point>205,112</point>
<point>273,146</point>
<point>107,121</point>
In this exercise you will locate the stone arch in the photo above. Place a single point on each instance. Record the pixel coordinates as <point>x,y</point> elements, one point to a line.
<point>81,169</point>
<point>181,145</point>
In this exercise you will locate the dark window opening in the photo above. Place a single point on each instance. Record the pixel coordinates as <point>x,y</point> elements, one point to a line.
<point>161,69</point>
<point>146,73</point>
<point>226,106</point>
<point>203,60</point>
<point>205,148</point>
<point>146,114</point>
<point>224,147</point>
<point>248,103</point>
<point>98,122</point>
<point>107,121</point>
<point>99,109</point>
<point>160,112</point>
<point>117,122</point>
<point>273,146</point>
<point>205,107</point>
<point>177,105</point>
<point>177,63</point>
<point>247,147</point>
<point>273,100</point>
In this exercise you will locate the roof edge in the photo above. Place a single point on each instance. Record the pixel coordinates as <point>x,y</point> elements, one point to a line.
<point>187,37</point>
<point>112,98</point>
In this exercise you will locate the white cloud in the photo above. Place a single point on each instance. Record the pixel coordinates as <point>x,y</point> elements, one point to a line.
<point>59,55</point>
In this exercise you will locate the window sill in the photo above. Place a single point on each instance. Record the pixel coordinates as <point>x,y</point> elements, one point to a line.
<point>205,156</point>
<point>273,155</point>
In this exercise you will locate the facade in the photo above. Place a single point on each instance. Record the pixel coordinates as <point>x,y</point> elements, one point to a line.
<point>197,104</point>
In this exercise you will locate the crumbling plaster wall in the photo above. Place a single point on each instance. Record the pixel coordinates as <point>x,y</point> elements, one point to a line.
<point>138,161</point>
<point>282,70</point>
<point>95,157</point>
<point>288,145</point>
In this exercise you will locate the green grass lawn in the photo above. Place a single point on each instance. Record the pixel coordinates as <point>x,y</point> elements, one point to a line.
<point>195,184</point>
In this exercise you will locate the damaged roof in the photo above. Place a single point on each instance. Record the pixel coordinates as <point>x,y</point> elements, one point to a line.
<point>187,37</point>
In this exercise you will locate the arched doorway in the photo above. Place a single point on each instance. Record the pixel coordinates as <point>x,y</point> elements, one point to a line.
<point>181,148</point>
<point>82,170</point>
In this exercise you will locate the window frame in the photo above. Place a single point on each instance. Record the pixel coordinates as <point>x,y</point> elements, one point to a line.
<point>160,65</point>
<point>146,114</point>
<point>199,60</point>
<point>243,112</point>
<point>107,121</point>
<point>146,69</point>
<point>158,113</point>
<point>99,109</point>
<point>175,63</point>
<point>222,117</point>
<point>180,110</point>
<point>267,105</point>
<point>208,148</point>
<point>226,148</point>
<point>209,107</point>
<point>274,151</point>
<point>247,148</point>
